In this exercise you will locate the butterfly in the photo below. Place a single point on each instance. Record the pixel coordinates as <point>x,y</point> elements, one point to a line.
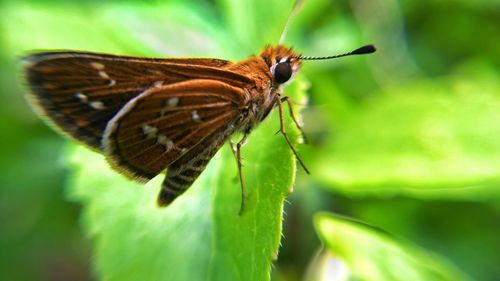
<point>151,115</point>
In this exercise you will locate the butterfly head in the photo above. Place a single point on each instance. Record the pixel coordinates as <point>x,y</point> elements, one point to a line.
<point>283,63</point>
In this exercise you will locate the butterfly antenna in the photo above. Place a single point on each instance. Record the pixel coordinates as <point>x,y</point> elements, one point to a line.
<point>368,49</point>
<point>293,13</point>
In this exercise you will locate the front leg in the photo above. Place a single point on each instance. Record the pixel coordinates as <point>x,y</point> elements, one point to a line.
<point>283,132</point>
<point>292,114</point>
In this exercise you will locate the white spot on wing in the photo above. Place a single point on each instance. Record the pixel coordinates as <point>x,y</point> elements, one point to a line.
<point>158,84</point>
<point>156,72</point>
<point>83,98</point>
<point>97,105</point>
<point>163,140</point>
<point>168,104</point>
<point>195,116</point>
<point>97,65</point>
<point>149,131</point>
<point>173,102</point>
<point>103,74</point>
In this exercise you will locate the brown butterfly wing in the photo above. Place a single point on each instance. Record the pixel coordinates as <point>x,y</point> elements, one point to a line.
<point>80,92</point>
<point>165,123</point>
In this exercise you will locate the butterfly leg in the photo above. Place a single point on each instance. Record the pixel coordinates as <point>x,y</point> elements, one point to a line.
<point>236,147</point>
<point>283,132</point>
<point>292,114</point>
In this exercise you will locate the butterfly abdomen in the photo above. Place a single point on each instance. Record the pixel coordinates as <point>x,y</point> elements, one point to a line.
<point>176,183</point>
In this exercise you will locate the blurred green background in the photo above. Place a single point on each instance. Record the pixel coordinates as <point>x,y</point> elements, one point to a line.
<point>406,140</point>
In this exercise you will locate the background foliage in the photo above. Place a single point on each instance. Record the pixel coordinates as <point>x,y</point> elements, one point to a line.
<point>406,140</point>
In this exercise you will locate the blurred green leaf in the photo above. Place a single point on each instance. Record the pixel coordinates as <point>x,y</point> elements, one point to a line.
<point>142,29</point>
<point>253,28</point>
<point>360,252</point>
<point>430,138</point>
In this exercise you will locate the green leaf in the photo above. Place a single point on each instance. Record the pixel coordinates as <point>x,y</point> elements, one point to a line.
<point>359,252</point>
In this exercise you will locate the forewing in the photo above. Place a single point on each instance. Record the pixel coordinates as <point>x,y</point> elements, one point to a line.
<point>164,123</point>
<point>80,92</point>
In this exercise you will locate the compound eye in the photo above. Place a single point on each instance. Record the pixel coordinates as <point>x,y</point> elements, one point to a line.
<point>282,72</point>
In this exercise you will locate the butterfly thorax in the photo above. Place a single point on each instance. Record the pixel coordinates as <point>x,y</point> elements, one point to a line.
<point>265,89</point>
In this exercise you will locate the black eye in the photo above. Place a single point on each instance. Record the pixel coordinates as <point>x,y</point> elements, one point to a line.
<point>282,72</point>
